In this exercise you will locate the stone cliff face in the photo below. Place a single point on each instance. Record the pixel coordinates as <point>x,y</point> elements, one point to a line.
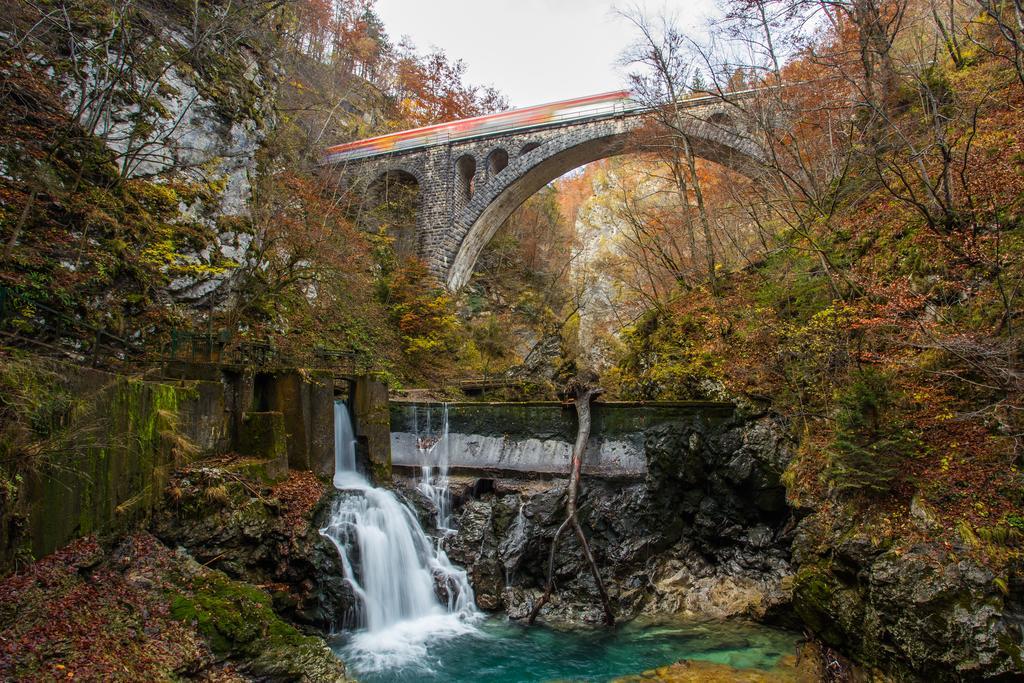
<point>181,108</point>
<point>705,532</point>
<point>921,612</point>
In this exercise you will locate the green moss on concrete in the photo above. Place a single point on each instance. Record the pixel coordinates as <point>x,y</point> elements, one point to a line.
<point>264,440</point>
<point>553,420</point>
<point>107,456</point>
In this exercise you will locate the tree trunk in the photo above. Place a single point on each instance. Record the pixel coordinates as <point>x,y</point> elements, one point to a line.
<point>583,398</point>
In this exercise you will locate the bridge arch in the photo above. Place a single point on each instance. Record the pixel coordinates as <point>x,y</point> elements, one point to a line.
<point>477,222</point>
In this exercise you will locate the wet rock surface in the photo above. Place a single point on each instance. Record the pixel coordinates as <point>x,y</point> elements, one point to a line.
<point>921,612</point>
<point>263,536</point>
<point>704,533</point>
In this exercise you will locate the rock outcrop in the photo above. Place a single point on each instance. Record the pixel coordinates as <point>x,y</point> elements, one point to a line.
<point>924,611</point>
<point>705,532</point>
<point>263,536</point>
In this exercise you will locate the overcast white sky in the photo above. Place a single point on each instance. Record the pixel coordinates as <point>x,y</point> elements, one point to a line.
<point>534,51</point>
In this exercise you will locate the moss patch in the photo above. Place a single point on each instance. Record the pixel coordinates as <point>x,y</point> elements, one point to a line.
<point>239,623</point>
<point>141,612</point>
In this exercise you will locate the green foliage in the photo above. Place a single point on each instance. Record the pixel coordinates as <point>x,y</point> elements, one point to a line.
<point>871,442</point>
<point>423,313</point>
<point>492,343</point>
<point>665,360</point>
<point>812,352</point>
<point>35,411</point>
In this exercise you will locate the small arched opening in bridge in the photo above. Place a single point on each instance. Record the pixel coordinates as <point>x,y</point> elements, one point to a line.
<point>395,200</point>
<point>496,162</point>
<point>720,118</point>
<point>465,177</point>
<point>529,147</point>
<point>477,222</point>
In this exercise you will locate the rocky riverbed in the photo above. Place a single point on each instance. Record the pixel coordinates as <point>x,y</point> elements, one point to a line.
<point>708,532</point>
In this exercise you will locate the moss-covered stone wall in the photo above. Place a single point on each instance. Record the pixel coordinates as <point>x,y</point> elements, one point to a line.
<point>549,419</point>
<point>126,437</point>
<point>537,437</point>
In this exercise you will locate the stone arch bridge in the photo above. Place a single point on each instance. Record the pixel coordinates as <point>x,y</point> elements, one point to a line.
<point>472,174</point>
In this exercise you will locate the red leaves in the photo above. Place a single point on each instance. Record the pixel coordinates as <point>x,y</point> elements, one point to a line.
<point>298,494</point>
<point>431,90</point>
<point>79,614</point>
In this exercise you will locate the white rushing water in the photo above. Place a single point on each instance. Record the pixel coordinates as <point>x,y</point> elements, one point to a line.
<point>433,456</point>
<point>408,590</point>
<point>344,446</point>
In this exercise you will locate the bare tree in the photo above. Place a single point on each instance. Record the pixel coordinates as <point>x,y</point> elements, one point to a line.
<point>661,79</point>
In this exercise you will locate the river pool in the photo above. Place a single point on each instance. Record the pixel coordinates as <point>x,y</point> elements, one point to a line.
<point>497,651</point>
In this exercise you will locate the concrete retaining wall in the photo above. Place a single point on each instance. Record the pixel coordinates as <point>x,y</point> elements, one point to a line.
<point>130,435</point>
<point>534,438</point>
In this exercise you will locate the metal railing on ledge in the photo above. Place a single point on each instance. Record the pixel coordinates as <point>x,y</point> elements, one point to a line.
<point>28,323</point>
<point>477,384</point>
<point>223,349</point>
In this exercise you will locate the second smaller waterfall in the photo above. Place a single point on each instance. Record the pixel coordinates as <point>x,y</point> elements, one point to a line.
<point>434,458</point>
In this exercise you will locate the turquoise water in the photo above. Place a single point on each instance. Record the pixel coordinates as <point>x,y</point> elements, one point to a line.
<point>497,651</point>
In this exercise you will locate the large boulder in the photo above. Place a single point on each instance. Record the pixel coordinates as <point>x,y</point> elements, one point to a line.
<point>920,611</point>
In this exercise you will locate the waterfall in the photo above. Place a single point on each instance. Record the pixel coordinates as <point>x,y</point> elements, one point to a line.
<point>407,588</point>
<point>433,453</point>
<point>344,446</point>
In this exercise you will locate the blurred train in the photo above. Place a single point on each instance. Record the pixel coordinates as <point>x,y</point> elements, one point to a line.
<point>604,104</point>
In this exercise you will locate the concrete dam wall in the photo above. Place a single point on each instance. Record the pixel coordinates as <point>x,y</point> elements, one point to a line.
<point>535,438</point>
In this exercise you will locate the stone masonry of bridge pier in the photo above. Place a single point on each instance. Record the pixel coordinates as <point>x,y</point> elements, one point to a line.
<point>467,188</point>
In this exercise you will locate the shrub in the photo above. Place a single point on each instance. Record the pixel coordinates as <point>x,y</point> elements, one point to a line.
<point>871,440</point>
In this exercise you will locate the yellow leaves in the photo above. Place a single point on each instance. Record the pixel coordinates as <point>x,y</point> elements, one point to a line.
<point>163,254</point>
<point>967,535</point>
<point>155,197</point>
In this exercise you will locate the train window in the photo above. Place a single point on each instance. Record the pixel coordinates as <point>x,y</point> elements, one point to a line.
<point>497,161</point>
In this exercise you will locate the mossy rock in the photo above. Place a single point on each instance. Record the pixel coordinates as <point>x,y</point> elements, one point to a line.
<point>814,600</point>
<point>239,623</point>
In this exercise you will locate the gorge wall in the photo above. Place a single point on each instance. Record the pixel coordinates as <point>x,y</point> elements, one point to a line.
<point>697,522</point>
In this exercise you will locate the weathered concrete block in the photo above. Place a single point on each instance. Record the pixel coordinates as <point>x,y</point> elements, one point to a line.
<point>321,425</point>
<point>373,425</point>
<point>538,437</point>
<point>263,439</point>
<point>125,438</point>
